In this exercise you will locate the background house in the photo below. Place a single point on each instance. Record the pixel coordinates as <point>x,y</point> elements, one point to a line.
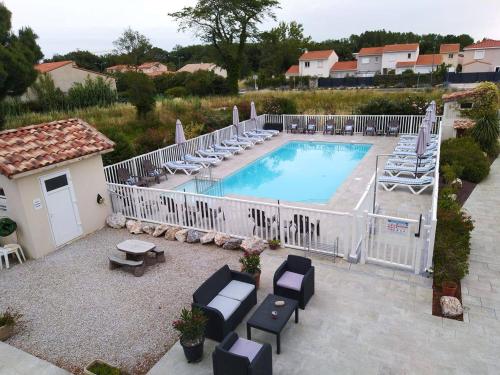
<point>450,54</point>
<point>50,178</point>
<point>153,68</point>
<point>369,61</point>
<point>65,75</point>
<point>394,53</point>
<point>482,57</point>
<point>292,71</point>
<point>343,69</point>
<point>191,68</point>
<point>424,64</point>
<point>317,63</point>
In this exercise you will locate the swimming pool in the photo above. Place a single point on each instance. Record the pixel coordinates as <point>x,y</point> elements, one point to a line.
<point>307,172</point>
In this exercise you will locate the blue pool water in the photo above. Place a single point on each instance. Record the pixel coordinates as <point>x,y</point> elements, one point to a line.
<point>295,172</point>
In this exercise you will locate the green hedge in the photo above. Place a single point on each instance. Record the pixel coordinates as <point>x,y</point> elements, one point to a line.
<point>467,159</point>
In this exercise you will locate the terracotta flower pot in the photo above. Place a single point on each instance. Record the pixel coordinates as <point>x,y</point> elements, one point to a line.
<point>449,288</point>
<point>6,331</point>
<point>274,246</point>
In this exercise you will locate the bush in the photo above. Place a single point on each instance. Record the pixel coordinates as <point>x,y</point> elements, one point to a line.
<point>123,148</point>
<point>140,92</point>
<point>176,92</point>
<point>279,106</point>
<point>200,83</point>
<point>466,158</point>
<point>91,93</point>
<point>409,105</point>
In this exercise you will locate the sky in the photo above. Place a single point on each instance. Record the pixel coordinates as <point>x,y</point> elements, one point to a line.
<point>68,25</point>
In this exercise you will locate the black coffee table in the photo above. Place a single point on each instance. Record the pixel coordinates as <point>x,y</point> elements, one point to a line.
<point>262,318</point>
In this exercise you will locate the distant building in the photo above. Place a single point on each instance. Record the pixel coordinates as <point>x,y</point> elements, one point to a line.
<point>342,69</point>
<point>369,61</point>
<point>292,71</point>
<point>121,68</point>
<point>317,63</point>
<point>423,65</point>
<point>450,53</point>
<point>152,68</point>
<point>191,68</point>
<point>394,53</point>
<point>482,57</point>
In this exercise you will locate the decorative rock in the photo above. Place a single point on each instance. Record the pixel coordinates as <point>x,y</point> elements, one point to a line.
<point>116,221</point>
<point>451,306</point>
<point>208,238</point>
<point>253,244</point>
<point>148,228</point>
<point>170,233</point>
<point>181,235</point>
<point>160,230</point>
<point>221,238</point>
<point>134,227</point>
<point>193,236</point>
<point>232,244</point>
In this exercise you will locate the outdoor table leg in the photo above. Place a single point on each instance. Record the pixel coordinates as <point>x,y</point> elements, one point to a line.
<point>278,344</point>
<point>296,315</point>
<point>249,334</point>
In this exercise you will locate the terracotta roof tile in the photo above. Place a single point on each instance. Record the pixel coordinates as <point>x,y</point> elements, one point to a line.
<point>32,147</point>
<point>345,65</point>
<point>405,64</point>
<point>47,67</point>
<point>401,47</point>
<point>294,69</point>
<point>431,59</point>
<point>458,95</point>
<point>449,48</point>
<point>487,43</point>
<point>464,123</point>
<point>369,51</point>
<point>316,55</point>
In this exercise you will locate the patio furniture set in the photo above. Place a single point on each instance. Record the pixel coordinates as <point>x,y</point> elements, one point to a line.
<point>333,128</point>
<point>227,296</point>
<point>138,255</point>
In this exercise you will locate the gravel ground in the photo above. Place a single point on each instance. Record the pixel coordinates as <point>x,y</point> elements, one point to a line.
<point>75,309</point>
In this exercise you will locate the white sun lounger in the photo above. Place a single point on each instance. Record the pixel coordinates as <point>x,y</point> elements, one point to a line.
<point>179,165</point>
<point>206,162</point>
<point>252,140</point>
<point>253,134</point>
<point>398,170</point>
<point>232,149</point>
<point>209,153</point>
<point>413,155</point>
<point>410,161</point>
<point>416,185</point>
<point>274,133</point>
<point>233,142</point>
<point>432,147</point>
<point>414,137</point>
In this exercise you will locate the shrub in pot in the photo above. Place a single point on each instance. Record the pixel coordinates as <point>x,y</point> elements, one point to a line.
<point>250,263</point>
<point>274,244</point>
<point>7,227</point>
<point>8,321</point>
<point>99,367</point>
<point>191,327</point>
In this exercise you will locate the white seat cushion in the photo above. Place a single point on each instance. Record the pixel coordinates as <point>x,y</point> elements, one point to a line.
<point>291,280</point>
<point>246,348</point>
<point>226,306</point>
<point>237,290</point>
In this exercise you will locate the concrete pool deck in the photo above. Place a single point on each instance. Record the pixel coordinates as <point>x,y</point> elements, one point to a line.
<point>350,191</point>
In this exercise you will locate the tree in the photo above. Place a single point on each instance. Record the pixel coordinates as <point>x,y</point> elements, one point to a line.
<point>83,59</point>
<point>140,91</point>
<point>133,45</point>
<point>227,25</point>
<point>18,55</point>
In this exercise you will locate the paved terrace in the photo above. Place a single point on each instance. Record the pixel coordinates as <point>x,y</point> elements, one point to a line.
<point>348,194</point>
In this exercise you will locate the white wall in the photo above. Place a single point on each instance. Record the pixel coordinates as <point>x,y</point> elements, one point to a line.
<point>389,59</point>
<point>318,68</point>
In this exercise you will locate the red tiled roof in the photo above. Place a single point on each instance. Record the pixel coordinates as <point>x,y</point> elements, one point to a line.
<point>294,69</point>
<point>316,55</point>
<point>36,146</point>
<point>458,95</point>
<point>430,59</point>
<point>345,65</point>
<point>149,64</point>
<point>464,123</point>
<point>47,67</point>
<point>401,47</point>
<point>449,48</point>
<point>370,51</point>
<point>405,64</point>
<point>487,43</point>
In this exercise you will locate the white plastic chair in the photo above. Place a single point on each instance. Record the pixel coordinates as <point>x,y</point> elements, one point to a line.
<point>5,250</point>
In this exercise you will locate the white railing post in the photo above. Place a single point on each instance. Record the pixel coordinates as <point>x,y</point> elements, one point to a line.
<point>283,123</point>
<point>363,249</point>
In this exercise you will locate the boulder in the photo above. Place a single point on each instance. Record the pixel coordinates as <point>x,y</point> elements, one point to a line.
<point>253,244</point>
<point>451,306</point>
<point>193,236</point>
<point>208,238</point>
<point>116,221</point>
<point>134,227</point>
<point>232,244</point>
<point>160,230</point>
<point>181,235</point>
<point>170,233</point>
<point>221,238</point>
<point>148,228</point>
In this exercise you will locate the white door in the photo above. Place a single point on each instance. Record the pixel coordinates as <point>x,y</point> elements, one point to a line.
<point>61,206</point>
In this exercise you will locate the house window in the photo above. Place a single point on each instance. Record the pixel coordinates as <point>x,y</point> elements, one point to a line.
<point>466,105</point>
<point>479,54</point>
<point>497,69</point>
<point>450,55</point>
<point>365,60</point>
<point>307,64</point>
<point>409,56</point>
<point>3,200</point>
<point>320,64</point>
<point>376,58</point>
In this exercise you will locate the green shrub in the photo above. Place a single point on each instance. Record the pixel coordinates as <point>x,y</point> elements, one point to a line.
<point>176,92</point>
<point>408,105</point>
<point>279,106</point>
<point>123,148</point>
<point>466,158</point>
<point>140,92</point>
<point>7,226</point>
<point>91,93</point>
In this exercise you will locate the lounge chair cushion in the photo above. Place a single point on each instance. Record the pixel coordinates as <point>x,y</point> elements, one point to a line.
<point>291,280</point>
<point>245,348</point>
<point>226,306</point>
<point>237,290</point>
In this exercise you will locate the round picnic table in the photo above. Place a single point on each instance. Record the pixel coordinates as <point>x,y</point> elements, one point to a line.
<point>137,250</point>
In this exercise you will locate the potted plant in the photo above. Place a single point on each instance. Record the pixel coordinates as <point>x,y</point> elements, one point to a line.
<point>449,288</point>
<point>250,263</point>
<point>99,367</point>
<point>8,321</point>
<point>191,327</point>
<point>274,244</point>
<point>7,227</point>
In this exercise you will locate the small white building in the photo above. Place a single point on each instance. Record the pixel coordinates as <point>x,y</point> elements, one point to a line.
<point>394,53</point>
<point>424,64</point>
<point>192,68</point>
<point>342,69</point>
<point>51,182</point>
<point>317,63</point>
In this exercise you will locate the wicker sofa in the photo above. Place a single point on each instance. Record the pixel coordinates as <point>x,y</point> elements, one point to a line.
<point>225,298</point>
